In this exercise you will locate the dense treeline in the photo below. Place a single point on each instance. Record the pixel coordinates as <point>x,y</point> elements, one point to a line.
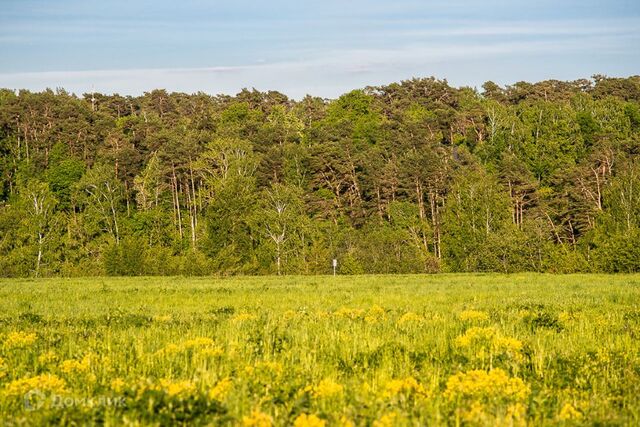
<point>411,177</point>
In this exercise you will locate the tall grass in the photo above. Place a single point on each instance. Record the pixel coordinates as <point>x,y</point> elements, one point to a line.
<point>364,350</point>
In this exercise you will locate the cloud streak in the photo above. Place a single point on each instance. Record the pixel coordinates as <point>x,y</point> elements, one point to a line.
<point>330,73</point>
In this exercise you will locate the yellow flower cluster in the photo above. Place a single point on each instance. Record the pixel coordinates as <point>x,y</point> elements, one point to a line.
<point>73,366</point>
<point>495,384</point>
<point>568,412</point>
<point>373,315</point>
<point>407,385</point>
<point>409,318</point>
<point>19,339</point>
<point>177,388</point>
<point>117,385</point>
<point>476,335</point>
<point>221,389</point>
<point>326,388</point>
<point>473,316</point>
<point>44,383</point>
<point>47,357</point>
<point>488,339</point>
<point>387,420</point>
<point>3,368</point>
<point>243,317</point>
<point>344,421</point>
<point>305,420</point>
<point>349,313</point>
<point>257,419</point>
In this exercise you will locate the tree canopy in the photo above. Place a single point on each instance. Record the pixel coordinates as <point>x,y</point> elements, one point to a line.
<point>416,176</point>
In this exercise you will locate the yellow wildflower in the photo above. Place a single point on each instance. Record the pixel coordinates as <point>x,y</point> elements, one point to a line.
<point>387,420</point>
<point>375,314</point>
<point>221,389</point>
<point>3,368</point>
<point>409,318</point>
<point>473,316</point>
<point>345,422</point>
<point>305,420</point>
<point>327,388</point>
<point>211,352</point>
<point>180,388</point>
<point>399,386</point>
<point>475,335</point>
<point>484,340</point>
<point>568,412</point>
<point>257,419</point>
<point>162,318</point>
<point>243,317</point>
<point>493,384</point>
<point>117,385</point>
<point>19,339</point>
<point>76,366</point>
<point>44,383</point>
<point>169,349</point>
<point>48,357</point>
<point>505,344</point>
<point>349,313</point>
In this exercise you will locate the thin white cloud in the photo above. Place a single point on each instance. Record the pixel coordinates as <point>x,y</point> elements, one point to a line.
<point>327,73</point>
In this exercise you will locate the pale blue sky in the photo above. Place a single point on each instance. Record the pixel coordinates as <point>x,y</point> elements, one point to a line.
<point>320,47</point>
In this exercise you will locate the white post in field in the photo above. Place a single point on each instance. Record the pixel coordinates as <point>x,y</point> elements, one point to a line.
<point>335,264</point>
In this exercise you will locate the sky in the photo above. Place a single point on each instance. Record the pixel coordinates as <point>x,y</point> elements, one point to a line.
<point>323,48</point>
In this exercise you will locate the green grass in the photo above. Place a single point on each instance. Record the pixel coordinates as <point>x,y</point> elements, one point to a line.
<point>555,349</point>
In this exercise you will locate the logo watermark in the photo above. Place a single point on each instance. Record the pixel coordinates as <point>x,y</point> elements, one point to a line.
<point>37,399</point>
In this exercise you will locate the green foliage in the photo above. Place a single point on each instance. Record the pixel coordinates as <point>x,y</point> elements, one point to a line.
<point>125,258</point>
<point>416,176</point>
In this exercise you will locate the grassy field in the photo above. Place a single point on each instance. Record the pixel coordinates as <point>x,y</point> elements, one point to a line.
<point>309,351</point>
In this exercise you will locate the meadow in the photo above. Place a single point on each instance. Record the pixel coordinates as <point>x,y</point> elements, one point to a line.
<point>467,349</point>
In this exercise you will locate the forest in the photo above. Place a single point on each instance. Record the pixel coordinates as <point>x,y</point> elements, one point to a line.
<point>411,177</point>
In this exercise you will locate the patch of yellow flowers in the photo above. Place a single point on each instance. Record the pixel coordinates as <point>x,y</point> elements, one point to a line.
<point>409,318</point>
<point>221,389</point>
<point>18,339</point>
<point>177,388</point>
<point>243,317</point>
<point>47,357</point>
<point>374,314</point>
<point>408,385</point>
<point>325,389</point>
<point>387,420</point>
<point>73,366</point>
<point>44,383</point>
<point>478,384</point>
<point>306,420</point>
<point>3,368</point>
<point>483,340</point>
<point>568,412</point>
<point>473,316</point>
<point>257,419</point>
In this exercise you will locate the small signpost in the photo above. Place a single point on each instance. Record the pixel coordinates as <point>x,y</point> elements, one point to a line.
<point>335,265</point>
